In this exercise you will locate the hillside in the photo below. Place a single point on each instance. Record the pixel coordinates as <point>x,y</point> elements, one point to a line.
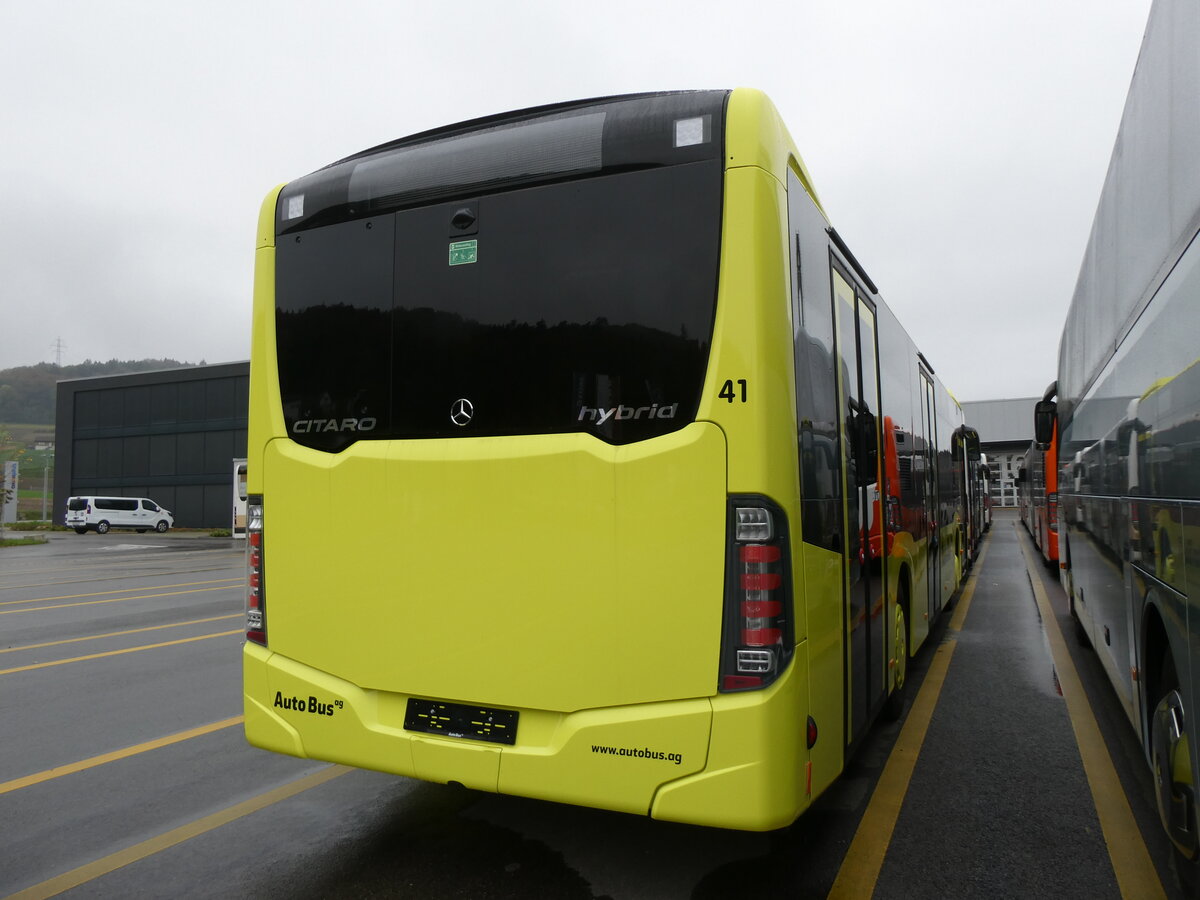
<point>27,393</point>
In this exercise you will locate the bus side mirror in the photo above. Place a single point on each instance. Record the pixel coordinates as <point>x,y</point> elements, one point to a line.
<point>1044,414</point>
<point>971,439</point>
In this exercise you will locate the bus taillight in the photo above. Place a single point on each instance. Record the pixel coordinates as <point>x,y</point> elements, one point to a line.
<point>756,643</point>
<point>256,622</point>
<point>759,582</point>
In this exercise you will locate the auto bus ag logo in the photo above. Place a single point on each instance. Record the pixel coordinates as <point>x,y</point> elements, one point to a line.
<point>461,412</point>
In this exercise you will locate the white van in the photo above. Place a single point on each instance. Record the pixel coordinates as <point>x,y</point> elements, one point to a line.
<point>99,514</point>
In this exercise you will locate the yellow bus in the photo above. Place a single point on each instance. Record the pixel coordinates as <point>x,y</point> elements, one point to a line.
<point>565,467</point>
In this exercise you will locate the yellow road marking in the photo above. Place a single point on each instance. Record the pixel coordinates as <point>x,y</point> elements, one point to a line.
<point>97,637</point>
<point>964,602</point>
<point>104,758</point>
<point>137,852</point>
<point>122,591</point>
<point>1136,875</point>
<point>75,659</point>
<point>863,861</point>
<point>860,868</point>
<point>9,612</point>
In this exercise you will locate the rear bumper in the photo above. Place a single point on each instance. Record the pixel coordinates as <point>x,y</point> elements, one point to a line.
<point>712,761</point>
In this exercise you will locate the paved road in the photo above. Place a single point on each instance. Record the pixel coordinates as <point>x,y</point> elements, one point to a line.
<point>123,771</point>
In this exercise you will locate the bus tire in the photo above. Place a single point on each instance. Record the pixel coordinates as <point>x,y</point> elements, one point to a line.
<point>1173,793</point>
<point>894,706</point>
<point>102,527</point>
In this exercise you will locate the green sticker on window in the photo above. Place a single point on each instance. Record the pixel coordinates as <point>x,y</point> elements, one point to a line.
<point>463,253</point>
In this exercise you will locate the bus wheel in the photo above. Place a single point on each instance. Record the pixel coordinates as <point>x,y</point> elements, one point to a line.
<point>101,528</point>
<point>1171,759</point>
<point>893,709</point>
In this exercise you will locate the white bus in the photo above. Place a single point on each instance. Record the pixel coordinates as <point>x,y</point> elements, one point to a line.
<point>1128,423</point>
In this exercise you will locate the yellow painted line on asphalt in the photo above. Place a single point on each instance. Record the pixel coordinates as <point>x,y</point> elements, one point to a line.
<point>112,634</point>
<point>114,861</point>
<point>1135,872</point>
<point>71,768</point>
<point>860,868</point>
<point>964,602</point>
<point>75,659</point>
<point>184,584</point>
<point>9,612</point>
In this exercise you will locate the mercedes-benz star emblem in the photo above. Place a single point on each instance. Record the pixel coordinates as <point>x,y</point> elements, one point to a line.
<point>461,412</point>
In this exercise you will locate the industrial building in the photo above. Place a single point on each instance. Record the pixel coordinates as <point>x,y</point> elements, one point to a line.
<point>1005,432</point>
<point>170,435</point>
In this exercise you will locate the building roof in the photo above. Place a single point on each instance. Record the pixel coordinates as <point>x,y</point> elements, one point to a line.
<point>1001,421</point>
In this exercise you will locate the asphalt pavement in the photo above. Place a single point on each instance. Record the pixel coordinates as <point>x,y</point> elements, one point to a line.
<point>126,646</point>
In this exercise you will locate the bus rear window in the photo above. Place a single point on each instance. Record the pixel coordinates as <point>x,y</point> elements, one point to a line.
<point>579,305</point>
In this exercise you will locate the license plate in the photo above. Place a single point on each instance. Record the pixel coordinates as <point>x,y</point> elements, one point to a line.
<point>461,720</point>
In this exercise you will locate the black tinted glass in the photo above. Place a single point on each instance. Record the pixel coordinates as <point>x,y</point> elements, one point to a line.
<point>579,305</point>
<point>333,329</point>
<point>505,152</point>
<point>115,503</point>
<point>589,308</point>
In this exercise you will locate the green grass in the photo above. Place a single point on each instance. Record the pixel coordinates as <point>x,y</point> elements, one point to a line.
<point>24,433</point>
<point>21,542</point>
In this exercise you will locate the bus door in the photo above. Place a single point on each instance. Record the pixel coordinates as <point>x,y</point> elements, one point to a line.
<point>933,579</point>
<point>858,393</point>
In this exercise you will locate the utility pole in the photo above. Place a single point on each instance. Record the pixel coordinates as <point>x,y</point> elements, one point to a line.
<point>46,461</point>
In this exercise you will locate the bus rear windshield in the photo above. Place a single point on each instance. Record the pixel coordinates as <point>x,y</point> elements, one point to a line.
<point>582,304</point>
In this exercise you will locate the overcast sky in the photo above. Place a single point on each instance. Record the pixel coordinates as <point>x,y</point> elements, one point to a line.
<point>959,146</point>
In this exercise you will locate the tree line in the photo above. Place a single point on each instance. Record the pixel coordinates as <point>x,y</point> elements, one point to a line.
<point>27,393</point>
